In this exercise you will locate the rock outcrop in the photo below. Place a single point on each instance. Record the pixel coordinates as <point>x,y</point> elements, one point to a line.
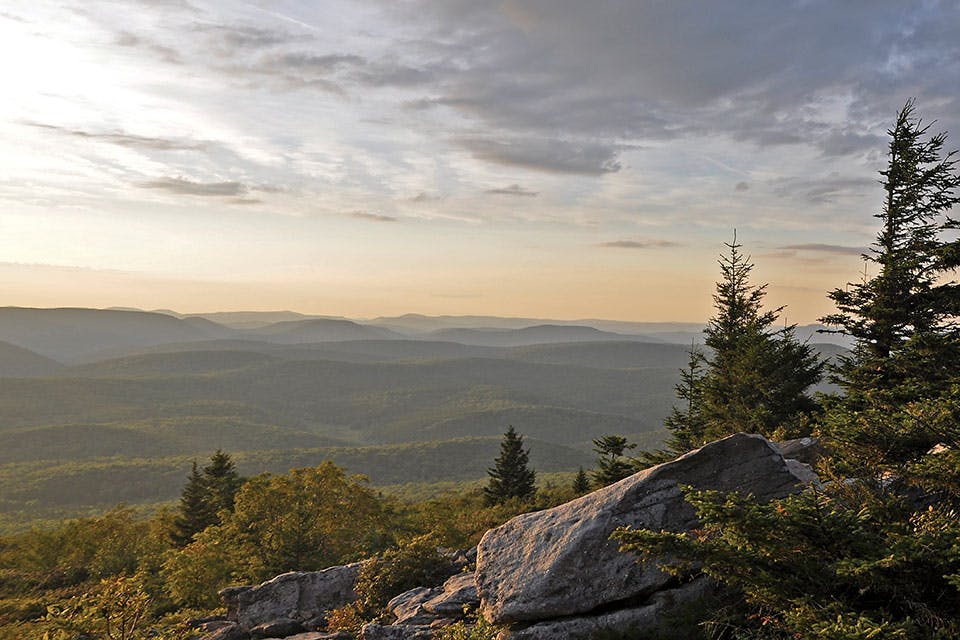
<point>290,604</point>
<point>548,575</point>
<point>561,562</point>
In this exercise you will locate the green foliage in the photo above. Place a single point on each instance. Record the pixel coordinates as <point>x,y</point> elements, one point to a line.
<point>63,490</point>
<point>306,520</point>
<point>511,476</point>
<point>193,575</point>
<point>473,627</point>
<point>612,465</point>
<point>821,564</point>
<point>417,562</point>
<point>113,611</point>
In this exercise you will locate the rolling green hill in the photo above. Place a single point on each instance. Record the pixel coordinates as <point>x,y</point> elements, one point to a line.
<point>31,492</point>
<point>125,428</point>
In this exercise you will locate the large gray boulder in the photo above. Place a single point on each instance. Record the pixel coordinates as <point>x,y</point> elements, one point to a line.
<point>298,595</point>
<point>561,562</point>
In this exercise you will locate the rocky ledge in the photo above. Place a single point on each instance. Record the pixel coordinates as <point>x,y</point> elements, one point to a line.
<point>548,575</point>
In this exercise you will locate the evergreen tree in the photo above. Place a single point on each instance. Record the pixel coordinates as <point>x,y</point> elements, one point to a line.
<point>222,482</point>
<point>580,484</point>
<point>873,552</point>
<point>903,319</point>
<point>193,514</point>
<point>757,376</point>
<point>753,378</point>
<point>206,493</point>
<point>686,424</point>
<point>612,465</point>
<point>510,476</point>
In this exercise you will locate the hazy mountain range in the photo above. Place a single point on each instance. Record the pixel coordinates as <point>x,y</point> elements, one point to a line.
<point>92,396</point>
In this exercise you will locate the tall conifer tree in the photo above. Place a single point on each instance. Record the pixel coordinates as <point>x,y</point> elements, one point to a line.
<point>510,476</point>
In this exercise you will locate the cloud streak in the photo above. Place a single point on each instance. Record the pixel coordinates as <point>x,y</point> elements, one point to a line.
<point>826,248</point>
<point>637,244</point>
<point>372,217</point>
<point>513,190</point>
<point>182,186</point>
<point>546,155</point>
<point>124,139</point>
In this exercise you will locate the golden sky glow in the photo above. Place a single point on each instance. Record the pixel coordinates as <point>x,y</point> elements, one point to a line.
<point>555,160</point>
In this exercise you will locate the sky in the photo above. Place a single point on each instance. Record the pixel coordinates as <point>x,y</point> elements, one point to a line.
<point>554,159</point>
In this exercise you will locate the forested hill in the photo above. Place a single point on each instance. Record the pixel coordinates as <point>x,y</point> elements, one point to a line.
<point>138,395</point>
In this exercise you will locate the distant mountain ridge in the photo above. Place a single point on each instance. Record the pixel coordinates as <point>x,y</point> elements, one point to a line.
<point>87,392</point>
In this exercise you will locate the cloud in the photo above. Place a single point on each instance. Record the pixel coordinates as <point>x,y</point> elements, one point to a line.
<point>232,39</point>
<point>513,190</point>
<point>423,196</point>
<point>124,139</point>
<point>246,201</point>
<point>546,154</point>
<point>315,64</point>
<point>372,217</point>
<point>182,186</point>
<point>383,74</point>
<point>742,186</point>
<point>637,244</point>
<point>825,189</point>
<point>826,248</point>
<point>165,53</point>
<point>830,76</point>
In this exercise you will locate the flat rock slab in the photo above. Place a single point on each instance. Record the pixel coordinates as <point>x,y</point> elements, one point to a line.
<point>396,632</point>
<point>561,562</point>
<point>628,624</point>
<point>408,606</point>
<point>282,628</point>
<point>458,592</point>
<point>298,595</point>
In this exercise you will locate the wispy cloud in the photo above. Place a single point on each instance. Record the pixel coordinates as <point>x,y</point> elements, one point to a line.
<point>423,196</point>
<point>182,186</point>
<point>124,139</point>
<point>637,244</point>
<point>825,248</point>
<point>825,189</point>
<point>513,190</point>
<point>165,53</point>
<point>550,155</point>
<point>372,217</point>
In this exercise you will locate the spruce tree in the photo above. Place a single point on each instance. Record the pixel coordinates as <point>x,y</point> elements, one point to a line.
<point>206,494</point>
<point>753,377</point>
<point>872,552</point>
<point>192,513</point>
<point>903,319</point>
<point>222,482</point>
<point>757,376</point>
<point>580,484</point>
<point>685,423</point>
<point>510,476</point>
<point>612,465</point>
